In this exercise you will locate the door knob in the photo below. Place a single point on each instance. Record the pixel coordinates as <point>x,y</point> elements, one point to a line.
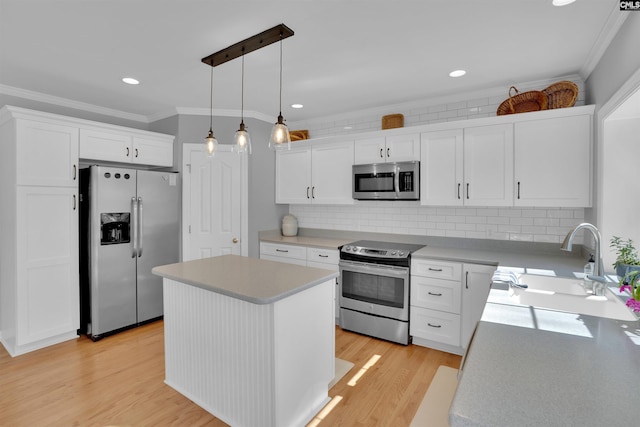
<point>235,240</point>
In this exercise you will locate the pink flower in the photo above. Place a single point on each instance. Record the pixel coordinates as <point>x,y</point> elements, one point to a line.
<point>633,304</point>
<point>625,288</point>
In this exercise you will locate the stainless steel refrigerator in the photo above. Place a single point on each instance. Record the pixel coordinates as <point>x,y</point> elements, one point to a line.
<point>128,225</point>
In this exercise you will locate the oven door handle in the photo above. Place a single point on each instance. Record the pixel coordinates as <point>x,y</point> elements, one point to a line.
<point>368,268</point>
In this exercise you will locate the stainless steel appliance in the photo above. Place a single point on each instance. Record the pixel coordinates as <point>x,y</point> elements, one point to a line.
<point>374,289</point>
<point>387,181</point>
<point>128,225</point>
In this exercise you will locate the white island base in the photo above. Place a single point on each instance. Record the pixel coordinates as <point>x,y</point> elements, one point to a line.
<point>251,364</point>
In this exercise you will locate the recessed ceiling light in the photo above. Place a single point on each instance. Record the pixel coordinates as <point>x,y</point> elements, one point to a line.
<point>562,2</point>
<point>297,105</point>
<point>130,81</point>
<point>457,73</point>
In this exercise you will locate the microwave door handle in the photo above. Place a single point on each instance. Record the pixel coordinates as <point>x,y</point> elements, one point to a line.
<point>134,228</point>
<point>396,180</point>
<point>139,221</point>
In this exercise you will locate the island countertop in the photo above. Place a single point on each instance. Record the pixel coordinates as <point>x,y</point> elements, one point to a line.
<point>249,279</point>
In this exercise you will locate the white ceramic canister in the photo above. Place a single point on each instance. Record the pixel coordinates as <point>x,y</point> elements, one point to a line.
<point>289,225</point>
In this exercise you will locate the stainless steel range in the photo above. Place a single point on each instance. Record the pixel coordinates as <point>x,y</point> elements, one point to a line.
<point>374,289</point>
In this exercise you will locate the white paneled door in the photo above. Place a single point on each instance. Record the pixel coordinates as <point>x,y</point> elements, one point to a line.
<point>214,207</point>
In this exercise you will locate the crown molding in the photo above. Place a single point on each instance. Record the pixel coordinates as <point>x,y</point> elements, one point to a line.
<point>64,102</point>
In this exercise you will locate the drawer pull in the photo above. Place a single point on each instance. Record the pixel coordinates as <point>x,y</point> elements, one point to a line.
<point>435,294</point>
<point>434,326</point>
<point>435,269</point>
<point>323,256</point>
<point>282,250</point>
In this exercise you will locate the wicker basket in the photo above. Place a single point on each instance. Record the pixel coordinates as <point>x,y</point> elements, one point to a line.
<point>298,135</point>
<point>561,94</point>
<point>533,100</point>
<point>392,121</point>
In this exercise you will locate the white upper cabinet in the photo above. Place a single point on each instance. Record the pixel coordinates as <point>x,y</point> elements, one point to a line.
<point>553,162</point>
<point>319,174</point>
<point>441,168</point>
<point>472,167</point>
<point>47,154</point>
<point>293,176</point>
<point>124,147</point>
<point>488,165</point>
<point>391,148</point>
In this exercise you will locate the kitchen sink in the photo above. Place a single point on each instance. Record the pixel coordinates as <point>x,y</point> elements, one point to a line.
<point>568,294</point>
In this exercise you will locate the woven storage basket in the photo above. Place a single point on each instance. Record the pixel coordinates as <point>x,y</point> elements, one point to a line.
<point>298,135</point>
<point>392,121</point>
<point>533,100</point>
<point>561,94</point>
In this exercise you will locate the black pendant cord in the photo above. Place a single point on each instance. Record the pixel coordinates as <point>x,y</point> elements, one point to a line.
<point>211,104</point>
<point>242,94</point>
<point>280,114</point>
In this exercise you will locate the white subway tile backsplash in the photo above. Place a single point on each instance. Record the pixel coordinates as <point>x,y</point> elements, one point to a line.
<point>523,224</point>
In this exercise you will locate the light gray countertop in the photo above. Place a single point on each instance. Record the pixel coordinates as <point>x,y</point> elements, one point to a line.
<point>534,367</point>
<point>249,279</point>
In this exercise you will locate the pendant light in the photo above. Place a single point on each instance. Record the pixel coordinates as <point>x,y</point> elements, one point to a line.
<point>280,137</point>
<point>211,143</point>
<point>242,138</point>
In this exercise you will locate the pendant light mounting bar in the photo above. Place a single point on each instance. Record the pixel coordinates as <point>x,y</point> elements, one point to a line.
<point>265,38</point>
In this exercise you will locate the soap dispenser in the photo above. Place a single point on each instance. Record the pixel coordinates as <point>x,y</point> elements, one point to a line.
<point>589,266</point>
<point>588,271</point>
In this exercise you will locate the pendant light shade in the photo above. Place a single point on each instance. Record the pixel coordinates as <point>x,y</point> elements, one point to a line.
<point>242,138</point>
<point>211,143</point>
<point>280,137</point>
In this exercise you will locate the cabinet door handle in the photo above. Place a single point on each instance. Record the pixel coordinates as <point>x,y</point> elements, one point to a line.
<point>434,326</point>
<point>459,191</point>
<point>466,279</point>
<point>307,192</point>
<point>518,189</point>
<point>282,250</point>
<point>136,153</point>
<point>74,202</point>
<point>435,269</point>
<point>127,151</point>
<point>467,191</point>
<point>381,153</point>
<point>313,192</point>
<point>75,172</point>
<point>388,153</point>
<point>435,294</point>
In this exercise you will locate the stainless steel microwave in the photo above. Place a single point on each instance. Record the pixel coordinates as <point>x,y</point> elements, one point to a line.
<point>387,181</point>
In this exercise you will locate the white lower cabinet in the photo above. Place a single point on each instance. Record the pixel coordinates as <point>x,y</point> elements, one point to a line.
<point>447,300</point>
<point>302,255</point>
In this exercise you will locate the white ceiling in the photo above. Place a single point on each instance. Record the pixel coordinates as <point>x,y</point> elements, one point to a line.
<point>346,55</point>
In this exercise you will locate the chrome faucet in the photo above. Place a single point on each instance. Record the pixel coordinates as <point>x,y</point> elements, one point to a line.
<point>598,269</point>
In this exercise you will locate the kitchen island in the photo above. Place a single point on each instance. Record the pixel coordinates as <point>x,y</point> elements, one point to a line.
<point>251,341</point>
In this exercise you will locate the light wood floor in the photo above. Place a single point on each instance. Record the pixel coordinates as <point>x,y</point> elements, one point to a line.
<point>119,381</point>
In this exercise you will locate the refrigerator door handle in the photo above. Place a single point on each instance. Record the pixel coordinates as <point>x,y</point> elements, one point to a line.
<point>139,224</point>
<point>134,226</point>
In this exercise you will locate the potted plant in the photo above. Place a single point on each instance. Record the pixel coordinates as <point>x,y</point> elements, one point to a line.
<point>630,283</point>
<point>626,256</point>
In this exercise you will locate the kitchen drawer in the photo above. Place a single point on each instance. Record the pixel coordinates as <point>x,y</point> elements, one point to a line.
<point>284,251</point>
<point>437,294</point>
<point>325,256</point>
<point>436,269</point>
<point>435,325</point>
<point>284,259</point>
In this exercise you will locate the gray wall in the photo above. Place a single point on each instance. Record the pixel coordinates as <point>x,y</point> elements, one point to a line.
<point>264,214</point>
<point>619,62</point>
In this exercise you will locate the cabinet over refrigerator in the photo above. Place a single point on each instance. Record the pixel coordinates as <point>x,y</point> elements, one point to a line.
<point>128,225</point>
